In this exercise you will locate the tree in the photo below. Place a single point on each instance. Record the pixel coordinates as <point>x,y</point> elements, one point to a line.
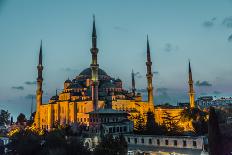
<point>214,133</point>
<point>4,117</point>
<point>21,119</point>
<point>171,124</point>
<point>139,124</point>
<point>75,145</point>
<point>198,118</point>
<point>150,124</point>
<point>24,142</point>
<point>200,127</point>
<point>111,146</point>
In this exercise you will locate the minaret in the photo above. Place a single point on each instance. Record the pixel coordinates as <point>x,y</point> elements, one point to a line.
<point>149,76</point>
<point>39,91</point>
<point>191,90</point>
<point>94,67</point>
<point>133,83</point>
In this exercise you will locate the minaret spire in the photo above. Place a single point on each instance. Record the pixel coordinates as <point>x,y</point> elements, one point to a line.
<point>94,67</point>
<point>148,51</point>
<point>94,34</point>
<point>149,76</point>
<point>40,54</point>
<point>133,83</point>
<point>39,91</point>
<point>191,89</point>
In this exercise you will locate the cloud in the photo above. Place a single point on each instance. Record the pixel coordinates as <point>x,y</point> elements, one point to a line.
<point>217,92</point>
<point>163,96</point>
<point>17,87</point>
<point>230,38</point>
<point>203,84</point>
<point>119,28</point>
<point>170,48</point>
<point>209,23</point>
<point>138,75</point>
<point>156,72</point>
<point>68,69</point>
<point>162,90</point>
<point>227,22</point>
<point>30,96</point>
<point>142,90</point>
<point>30,82</point>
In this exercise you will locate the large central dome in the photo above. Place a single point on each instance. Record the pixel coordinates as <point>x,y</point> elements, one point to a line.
<point>88,72</point>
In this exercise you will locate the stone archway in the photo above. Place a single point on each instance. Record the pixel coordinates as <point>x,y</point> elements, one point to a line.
<point>88,143</point>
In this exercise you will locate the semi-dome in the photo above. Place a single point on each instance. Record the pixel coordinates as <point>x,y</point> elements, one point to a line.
<point>118,80</point>
<point>88,72</point>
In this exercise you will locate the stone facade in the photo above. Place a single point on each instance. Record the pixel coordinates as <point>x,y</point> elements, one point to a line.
<point>79,97</point>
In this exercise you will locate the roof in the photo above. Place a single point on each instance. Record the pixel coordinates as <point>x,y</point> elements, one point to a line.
<point>107,111</point>
<point>107,85</point>
<point>88,72</point>
<point>74,85</point>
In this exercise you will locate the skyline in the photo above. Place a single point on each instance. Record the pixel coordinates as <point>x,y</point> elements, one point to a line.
<point>66,36</point>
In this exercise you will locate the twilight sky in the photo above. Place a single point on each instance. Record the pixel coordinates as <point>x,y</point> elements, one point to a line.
<point>178,30</point>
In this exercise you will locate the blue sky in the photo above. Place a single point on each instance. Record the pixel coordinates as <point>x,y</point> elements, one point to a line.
<point>178,30</point>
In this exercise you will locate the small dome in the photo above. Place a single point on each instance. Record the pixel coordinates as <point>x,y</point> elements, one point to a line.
<point>56,97</point>
<point>118,80</point>
<point>68,81</point>
<point>74,85</point>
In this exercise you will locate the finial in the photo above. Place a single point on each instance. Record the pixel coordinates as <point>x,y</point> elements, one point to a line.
<point>148,50</point>
<point>94,28</point>
<point>93,17</point>
<point>40,54</point>
<point>189,66</point>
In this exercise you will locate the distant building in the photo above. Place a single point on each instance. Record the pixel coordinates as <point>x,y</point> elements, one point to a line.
<point>183,104</point>
<point>207,101</point>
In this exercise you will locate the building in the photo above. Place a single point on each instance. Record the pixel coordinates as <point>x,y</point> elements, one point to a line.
<point>86,94</point>
<point>166,144</point>
<point>207,101</point>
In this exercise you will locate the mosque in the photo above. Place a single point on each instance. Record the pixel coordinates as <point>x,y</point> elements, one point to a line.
<point>89,92</point>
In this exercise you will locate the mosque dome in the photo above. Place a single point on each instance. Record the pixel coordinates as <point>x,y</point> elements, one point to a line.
<point>88,72</point>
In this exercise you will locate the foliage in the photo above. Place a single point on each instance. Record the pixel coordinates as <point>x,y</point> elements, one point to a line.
<point>214,133</point>
<point>194,114</point>
<point>200,127</point>
<point>111,146</point>
<point>4,117</point>
<point>21,119</point>
<point>24,142</point>
<point>198,118</point>
<point>171,124</point>
<point>29,141</point>
<point>150,124</point>
<point>152,127</point>
<point>139,125</point>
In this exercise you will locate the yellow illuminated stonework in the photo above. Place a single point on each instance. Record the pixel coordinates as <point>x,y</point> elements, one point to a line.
<point>89,90</point>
